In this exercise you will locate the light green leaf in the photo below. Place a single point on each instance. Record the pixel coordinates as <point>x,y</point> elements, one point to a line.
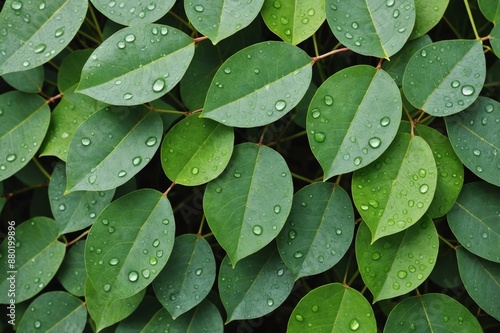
<point>475,221</point>
<point>106,312</point>
<point>120,72</point>
<point>456,70</point>
<point>220,19</point>
<point>33,32</point>
<point>187,277</point>
<point>319,229</point>
<point>264,282</point>
<point>353,118</point>
<point>474,137</point>
<point>133,13</point>
<point>396,191</point>
<point>117,143</point>
<point>24,119</point>
<point>77,210</point>
<point>70,112</point>
<point>428,14</point>
<point>247,205</point>
<point>376,28</point>
<point>72,273</point>
<point>481,280</point>
<point>141,317</point>
<point>332,308</point>
<point>37,258</point>
<point>71,67</point>
<point>431,313</point>
<point>29,81</point>
<point>398,263</point>
<point>293,21</point>
<point>126,249</point>
<point>490,9</point>
<point>271,88</point>
<point>54,311</point>
<point>196,150</point>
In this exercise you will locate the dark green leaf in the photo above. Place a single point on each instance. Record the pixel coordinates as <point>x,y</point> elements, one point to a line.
<point>428,14</point>
<point>319,229</point>
<point>72,273</point>
<point>133,13</point>
<point>490,9</point>
<point>399,263</point>
<point>141,317</point>
<point>68,75</point>
<point>29,81</point>
<point>353,118</point>
<point>445,273</point>
<point>247,205</point>
<point>495,40</point>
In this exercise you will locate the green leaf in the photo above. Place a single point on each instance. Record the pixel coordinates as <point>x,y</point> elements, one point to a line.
<point>481,280</point>
<point>347,127</point>
<point>126,249</point>
<point>456,71</point>
<point>431,313</point>
<point>495,39</point>
<point>332,308</point>
<point>77,210</point>
<point>3,199</point>
<point>54,311</point>
<point>428,14</point>
<point>24,122</point>
<point>396,191</point>
<point>34,32</point>
<point>120,72</point>
<point>220,19</point>
<point>319,229</point>
<point>188,276</point>
<point>271,87</point>
<point>398,263</point>
<point>248,204</point>
<point>38,255</point>
<point>70,112</point>
<point>72,273</point>
<point>133,13</point>
<point>106,312</point>
<point>72,64</point>
<point>264,282</point>
<point>29,81</point>
<point>475,222</point>
<point>474,136</point>
<point>293,21</point>
<point>445,273</point>
<point>374,28</point>
<point>196,150</point>
<point>117,143</point>
<point>141,317</point>
<point>490,9</point>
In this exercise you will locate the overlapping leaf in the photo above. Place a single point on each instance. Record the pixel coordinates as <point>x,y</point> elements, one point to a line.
<point>121,72</point>
<point>353,118</point>
<point>33,32</point>
<point>134,12</point>
<point>495,39</point>
<point>126,249</point>
<point>399,263</point>
<point>248,204</point>
<point>428,14</point>
<point>142,316</point>
<point>456,70</point>
<point>71,67</point>
<point>490,10</point>
<point>270,86</point>
<point>29,81</point>
<point>72,274</point>
<point>395,192</point>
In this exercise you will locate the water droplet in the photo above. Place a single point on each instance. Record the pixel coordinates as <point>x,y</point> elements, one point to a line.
<point>59,32</point>
<point>133,276</point>
<point>395,14</point>
<point>489,108</point>
<point>130,38</point>
<point>16,5</point>
<point>385,121</point>
<point>156,242</point>
<point>328,100</point>
<point>455,83</point>
<point>113,261</point>
<point>122,173</point>
<point>256,71</point>
<point>270,302</point>
<point>297,255</point>
<point>199,8</point>
<point>476,152</point>
<point>354,324</point>
<point>402,274</point>
<point>316,113</point>
<point>479,169</point>
<point>375,255</point>
<point>26,64</point>
<point>195,171</point>
<point>158,85</point>
<point>395,286</point>
<point>127,96</point>
<point>357,161</point>
<point>237,174</point>
<point>319,137</point>
<point>198,272</point>
<point>280,105</point>
<point>62,207</point>
<point>257,230</point>
<point>374,142</point>
<point>153,261</point>
<point>107,287</point>
<point>37,324</point>
<point>151,141</point>
<point>136,161</point>
<point>277,209</point>
<point>85,141</point>
<point>164,31</point>
<point>424,188</point>
<point>299,318</point>
<point>467,90</point>
<point>105,222</point>
<point>227,70</point>
<point>39,48</point>
<point>422,173</point>
<point>338,232</point>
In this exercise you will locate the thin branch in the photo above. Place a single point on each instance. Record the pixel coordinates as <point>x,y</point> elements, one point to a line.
<point>329,54</point>
<point>199,39</point>
<point>78,238</point>
<point>471,19</point>
<point>168,189</point>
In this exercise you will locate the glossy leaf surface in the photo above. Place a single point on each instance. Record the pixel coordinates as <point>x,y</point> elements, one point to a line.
<point>72,64</point>
<point>133,13</point>
<point>29,81</point>
<point>72,273</point>
<point>428,14</point>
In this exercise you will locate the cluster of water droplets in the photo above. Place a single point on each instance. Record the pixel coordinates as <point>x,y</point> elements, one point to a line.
<point>282,21</point>
<point>122,8</point>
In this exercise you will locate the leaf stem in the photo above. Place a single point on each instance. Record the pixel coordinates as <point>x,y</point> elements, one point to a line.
<point>329,54</point>
<point>168,111</point>
<point>201,225</point>
<point>180,19</point>
<point>168,189</point>
<point>307,180</point>
<point>78,238</point>
<point>447,242</point>
<point>199,39</point>
<point>41,168</point>
<point>471,19</point>
<point>90,37</point>
<point>54,98</point>
<point>26,189</point>
<point>315,45</point>
<point>261,140</point>
<point>208,235</point>
<point>351,281</point>
<point>288,138</point>
<point>96,24</point>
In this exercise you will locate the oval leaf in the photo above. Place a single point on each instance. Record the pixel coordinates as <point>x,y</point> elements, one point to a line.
<point>319,229</point>
<point>37,258</point>
<point>119,72</point>
<point>350,128</point>
<point>126,249</point>
<point>29,81</point>
<point>375,28</point>
<point>399,263</point>
<point>34,32</point>
<point>474,136</point>
<point>188,276</point>
<point>490,9</point>
<point>428,14</point>
<point>456,70</point>
<point>272,87</point>
<point>133,13</point>
<point>247,206</point>
<point>334,308</point>
<point>395,192</point>
<point>117,142</point>
<point>475,221</point>
<point>24,120</point>
<point>431,313</point>
<point>141,317</point>
<point>293,21</point>
<point>72,273</point>
<point>264,283</point>
<point>67,314</point>
<point>196,150</point>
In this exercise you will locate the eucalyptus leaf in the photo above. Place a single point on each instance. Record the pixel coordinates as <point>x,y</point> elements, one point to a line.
<point>428,14</point>
<point>133,13</point>
<point>141,317</point>
<point>72,273</point>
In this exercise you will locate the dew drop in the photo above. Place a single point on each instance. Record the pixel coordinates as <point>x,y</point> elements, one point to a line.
<point>270,302</point>
<point>489,108</point>
<point>127,96</point>
<point>85,141</point>
<point>107,287</point>
<point>316,113</point>
<point>151,141</point>
<point>476,152</point>
<point>376,256</point>
<point>113,261</point>
<point>423,53</point>
<point>59,32</point>
<point>354,324</point>
<point>280,105</point>
<point>37,324</point>
<point>153,261</point>
<point>277,209</point>
<point>315,308</point>
<point>195,171</point>
<point>156,242</point>
<point>328,100</point>
<point>455,84</point>
<point>257,230</point>
<point>130,38</point>
<point>237,174</point>
<point>374,142</point>
<point>62,207</point>
<point>467,90</point>
<point>198,272</point>
<point>158,85</point>
<point>133,276</point>
<point>297,255</point>
<point>395,286</point>
<point>16,5</point>
<point>299,318</point>
<point>424,188</point>
<point>122,173</point>
<point>199,8</point>
<point>402,274</point>
<point>385,121</point>
<point>227,70</point>
<point>357,161</point>
<point>39,48</point>
<point>319,137</point>
<point>136,161</point>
